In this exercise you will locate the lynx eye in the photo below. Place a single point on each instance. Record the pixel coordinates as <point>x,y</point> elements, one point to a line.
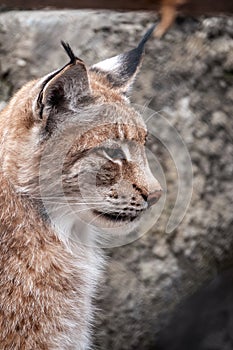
<point>114,153</point>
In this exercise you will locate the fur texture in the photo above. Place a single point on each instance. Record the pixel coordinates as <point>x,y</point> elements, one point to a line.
<point>72,158</point>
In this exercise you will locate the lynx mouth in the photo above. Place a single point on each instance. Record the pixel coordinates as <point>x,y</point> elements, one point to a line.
<point>116,216</point>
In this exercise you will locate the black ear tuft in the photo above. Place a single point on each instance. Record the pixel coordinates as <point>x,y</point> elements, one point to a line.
<point>146,37</point>
<point>70,53</point>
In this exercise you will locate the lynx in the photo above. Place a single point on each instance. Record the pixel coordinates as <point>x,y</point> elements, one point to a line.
<point>68,140</point>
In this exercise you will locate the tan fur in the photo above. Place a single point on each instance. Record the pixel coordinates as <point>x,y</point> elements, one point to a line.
<point>39,279</point>
<point>47,281</point>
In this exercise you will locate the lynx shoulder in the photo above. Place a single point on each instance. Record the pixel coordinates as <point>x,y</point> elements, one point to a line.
<point>72,155</point>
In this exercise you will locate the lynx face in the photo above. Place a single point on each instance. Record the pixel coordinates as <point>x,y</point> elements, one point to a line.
<point>72,141</point>
<point>111,175</point>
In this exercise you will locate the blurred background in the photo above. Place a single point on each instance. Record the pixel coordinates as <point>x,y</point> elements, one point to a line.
<point>166,291</point>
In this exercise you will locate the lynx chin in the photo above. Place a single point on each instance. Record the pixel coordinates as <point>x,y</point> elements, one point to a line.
<point>72,157</point>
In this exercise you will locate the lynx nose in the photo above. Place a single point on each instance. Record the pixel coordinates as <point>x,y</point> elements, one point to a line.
<point>153,197</point>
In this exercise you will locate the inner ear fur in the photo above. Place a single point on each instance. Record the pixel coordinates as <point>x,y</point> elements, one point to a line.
<point>63,89</point>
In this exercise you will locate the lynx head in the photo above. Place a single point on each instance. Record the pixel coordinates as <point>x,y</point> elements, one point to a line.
<point>72,140</point>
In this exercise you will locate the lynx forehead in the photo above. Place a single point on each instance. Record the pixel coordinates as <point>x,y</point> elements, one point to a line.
<point>72,157</point>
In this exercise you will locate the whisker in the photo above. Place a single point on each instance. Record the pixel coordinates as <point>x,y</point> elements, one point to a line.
<point>59,197</point>
<point>73,203</point>
<point>105,212</point>
<point>68,212</point>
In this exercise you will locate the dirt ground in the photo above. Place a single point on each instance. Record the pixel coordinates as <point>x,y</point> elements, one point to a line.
<point>187,78</point>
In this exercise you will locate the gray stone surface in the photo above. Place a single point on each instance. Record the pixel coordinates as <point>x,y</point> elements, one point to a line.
<point>188,77</point>
<point>204,321</point>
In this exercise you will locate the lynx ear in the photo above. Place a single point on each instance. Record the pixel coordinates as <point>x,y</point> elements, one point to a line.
<point>120,71</point>
<point>63,89</point>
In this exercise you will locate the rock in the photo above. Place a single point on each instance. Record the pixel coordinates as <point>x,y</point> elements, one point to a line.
<point>219,118</point>
<point>229,94</point>
<point>185,78</point>
<point>202,321</point>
